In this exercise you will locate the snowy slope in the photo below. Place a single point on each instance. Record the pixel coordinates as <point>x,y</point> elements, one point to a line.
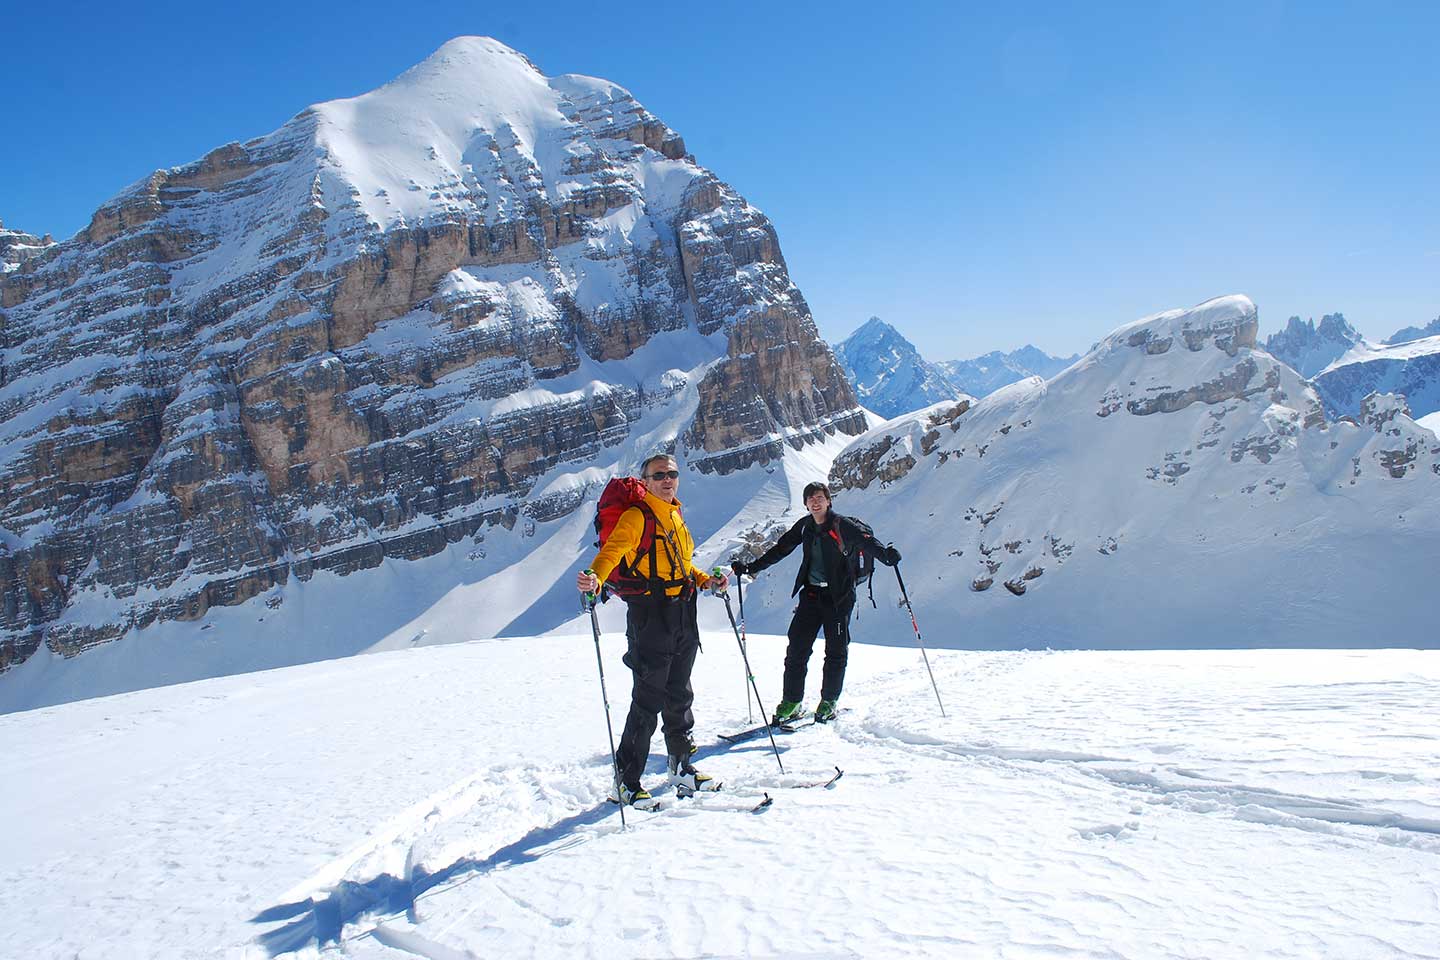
<point>449,802</point>
<point>1411,368</point>
<point>1177,486</point>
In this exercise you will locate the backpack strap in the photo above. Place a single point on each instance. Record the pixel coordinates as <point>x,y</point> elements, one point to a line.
<point>632,585</point>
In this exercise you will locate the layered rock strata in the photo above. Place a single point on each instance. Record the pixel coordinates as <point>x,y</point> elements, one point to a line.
<point>374,332</point>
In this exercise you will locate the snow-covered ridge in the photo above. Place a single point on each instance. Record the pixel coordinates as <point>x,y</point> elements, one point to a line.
<point>475,131</point>
<point>1411,368</point>
<point>985,374</point>
<point>1365,351</point>
<point>1175,460</point>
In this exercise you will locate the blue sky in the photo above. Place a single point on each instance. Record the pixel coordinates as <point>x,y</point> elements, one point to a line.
<point>980,179</point>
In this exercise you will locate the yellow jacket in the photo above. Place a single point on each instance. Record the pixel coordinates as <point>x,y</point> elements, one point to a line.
<point>672,537</point>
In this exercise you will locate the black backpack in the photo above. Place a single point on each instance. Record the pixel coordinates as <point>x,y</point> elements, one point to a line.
<point>861,559</point>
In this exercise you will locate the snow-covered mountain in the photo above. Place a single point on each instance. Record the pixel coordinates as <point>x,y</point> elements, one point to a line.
<point>1309,348</point>
<point>984,375</point>
<point>16,247</point>
<point>1406,334</point>
<point>1177,484</point>
<point>1411,368</point>
<point>891,377</point>
<point>888,373</point>
<point>423,322</point>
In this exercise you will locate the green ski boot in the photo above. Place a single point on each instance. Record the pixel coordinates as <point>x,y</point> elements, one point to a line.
<point>787,712</point>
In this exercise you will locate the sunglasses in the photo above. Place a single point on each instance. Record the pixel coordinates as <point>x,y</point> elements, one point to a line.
<point>659,475</point>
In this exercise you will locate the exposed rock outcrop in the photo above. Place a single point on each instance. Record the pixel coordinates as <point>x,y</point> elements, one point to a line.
<point>374,332</point>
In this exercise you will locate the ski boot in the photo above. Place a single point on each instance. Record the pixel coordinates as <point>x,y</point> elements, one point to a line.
<point>632,794</point>
<point>787,712</point>
<point>687,780</point>
<point>825,711</point>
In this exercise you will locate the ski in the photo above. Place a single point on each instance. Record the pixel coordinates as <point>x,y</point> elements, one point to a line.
<point>750,734</point>
<point>808,721</point>
<point>762,804</point>
<point>788,727</point>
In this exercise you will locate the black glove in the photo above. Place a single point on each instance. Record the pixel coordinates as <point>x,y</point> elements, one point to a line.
<point>740,567</point>
<point>892,555</point>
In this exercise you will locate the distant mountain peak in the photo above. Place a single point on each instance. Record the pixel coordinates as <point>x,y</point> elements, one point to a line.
<point>983,375</point>
<point>1310,348</point>
<point>887,372</point>
<point>1406,334</point>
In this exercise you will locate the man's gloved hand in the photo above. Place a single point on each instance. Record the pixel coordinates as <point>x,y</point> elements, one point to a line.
<point>740,567</point>
<point>892,555</point>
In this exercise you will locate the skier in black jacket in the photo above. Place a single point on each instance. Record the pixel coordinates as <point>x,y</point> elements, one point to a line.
<point>826,585</point>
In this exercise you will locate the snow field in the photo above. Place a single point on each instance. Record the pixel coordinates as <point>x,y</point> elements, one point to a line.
<point>448,801</point>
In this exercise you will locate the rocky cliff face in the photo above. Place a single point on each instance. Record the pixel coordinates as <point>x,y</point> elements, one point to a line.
<point>1410,368</point>
<point>16,247</point>
<point>399,319</point>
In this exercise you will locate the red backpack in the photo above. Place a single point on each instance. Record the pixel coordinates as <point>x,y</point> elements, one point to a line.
<point>619,495</point>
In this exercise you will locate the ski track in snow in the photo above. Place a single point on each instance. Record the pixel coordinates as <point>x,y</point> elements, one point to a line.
<point>555,809</point>
<point>1165,804</point>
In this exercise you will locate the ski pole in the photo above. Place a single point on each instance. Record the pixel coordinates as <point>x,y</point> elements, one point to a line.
<point>589,604</point>
<point>749,713</point>
<point>906,597</point>
<point>750,675</point>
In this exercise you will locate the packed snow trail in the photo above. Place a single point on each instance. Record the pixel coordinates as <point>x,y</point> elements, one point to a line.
<point>451,802</point>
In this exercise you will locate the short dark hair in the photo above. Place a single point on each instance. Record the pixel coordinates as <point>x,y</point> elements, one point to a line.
<point>816,487</point>
<point>645,464</point>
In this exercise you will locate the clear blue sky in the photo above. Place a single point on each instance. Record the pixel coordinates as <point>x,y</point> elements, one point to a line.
<point>978,178</point>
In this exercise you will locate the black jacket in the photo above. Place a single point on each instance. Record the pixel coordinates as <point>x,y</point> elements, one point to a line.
<point>838,539</point>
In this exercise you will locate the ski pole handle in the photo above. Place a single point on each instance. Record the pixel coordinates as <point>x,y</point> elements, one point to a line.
<point>589,601</point>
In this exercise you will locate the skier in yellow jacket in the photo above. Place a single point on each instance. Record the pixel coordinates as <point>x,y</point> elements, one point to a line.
<point>660,628</point>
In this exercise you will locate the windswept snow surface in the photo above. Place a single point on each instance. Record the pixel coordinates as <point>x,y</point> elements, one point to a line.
<point>449,801</point>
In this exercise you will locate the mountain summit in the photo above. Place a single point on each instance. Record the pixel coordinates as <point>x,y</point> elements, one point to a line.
<point>888,373</point>
<point>1309,348</point>
<point>440,311</point>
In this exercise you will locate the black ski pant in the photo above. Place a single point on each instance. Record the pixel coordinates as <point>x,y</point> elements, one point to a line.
<point>663,639</point>
<point>818,610</point>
